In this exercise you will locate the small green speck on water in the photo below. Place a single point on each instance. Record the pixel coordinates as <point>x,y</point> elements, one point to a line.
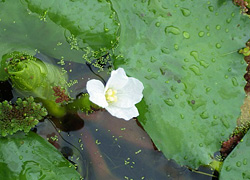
<point>97,142</point>
<point>137,152</point>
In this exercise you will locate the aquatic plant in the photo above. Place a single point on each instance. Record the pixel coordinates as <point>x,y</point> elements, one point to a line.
<point>21,116</point>
<point>185,53</point>
<point>119,96</point>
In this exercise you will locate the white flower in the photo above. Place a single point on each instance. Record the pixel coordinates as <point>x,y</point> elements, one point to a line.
<point>119,96</point>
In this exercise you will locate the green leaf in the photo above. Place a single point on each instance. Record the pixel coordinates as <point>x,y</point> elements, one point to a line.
<point>185,53</point>
<point>62,29</point>
<point>236,165</point>
<point>92,21</point>
<point>31,157</point>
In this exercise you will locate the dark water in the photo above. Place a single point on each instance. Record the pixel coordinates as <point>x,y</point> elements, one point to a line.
<point>101,146</point>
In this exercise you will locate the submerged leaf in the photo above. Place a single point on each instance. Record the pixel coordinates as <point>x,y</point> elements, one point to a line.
<point>31,157</point>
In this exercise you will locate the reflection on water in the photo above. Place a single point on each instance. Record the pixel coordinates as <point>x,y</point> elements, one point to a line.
<point>105,147</point>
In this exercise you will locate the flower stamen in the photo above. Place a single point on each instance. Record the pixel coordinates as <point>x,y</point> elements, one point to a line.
<point>111,95</point>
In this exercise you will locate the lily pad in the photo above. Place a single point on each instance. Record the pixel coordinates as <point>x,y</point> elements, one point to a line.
<point>31,157</point>
<point>185,53</point>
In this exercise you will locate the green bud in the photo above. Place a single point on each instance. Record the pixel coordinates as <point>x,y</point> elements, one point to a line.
<point>33,77</point>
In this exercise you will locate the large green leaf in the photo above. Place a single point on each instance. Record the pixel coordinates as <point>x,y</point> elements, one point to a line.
<point>27,157</point>
<point>236,165</point>
<point>185,53</point>
<point>61,29</point>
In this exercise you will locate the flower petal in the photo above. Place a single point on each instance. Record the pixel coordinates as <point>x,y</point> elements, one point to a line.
<point>117,80</point>
<point>130,94</point>
<point>124,113</point>
<point>96,92</point>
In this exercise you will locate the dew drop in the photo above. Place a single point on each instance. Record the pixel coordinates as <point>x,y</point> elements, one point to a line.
<point>21,157</point>
<point>229,69</point>
<point>228,20</point>
<point>218,27</point>
<point>226,30</point>
<point>233,14</point>
<point>165,50</point>
<point>208,89</point>
<point>172,29</point>
<point>244,161</point>
<point>169,102</point>
<point>186,35</point>
<point>105,28</point>
<point>228,168</point>
<point>211,8</point>
<point>176,96</point>
<point>195,55</point>
<point>201,33</point>
<point>238,164</point>
<point>207,27</point>
<point>201,145</point>
<point>176,47</point>
<point>185,12</point>
<point>235,82</point>
<point>195,69</point>
<point>226,76</point>
<point>218,45</point>
<point>208,34</point>
<point>213,60</point>
<point>153,59</point>
<point>204,115</point>
<point>204,64</point>
<point>185,157</point>
<point>182,116</point>
<point>157,24</point>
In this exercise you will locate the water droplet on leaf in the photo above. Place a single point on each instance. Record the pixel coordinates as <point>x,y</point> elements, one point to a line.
<point>153,59</point>
<point>238,164</point>
<point>172,29</point>
<point>244,161</point>
<point>235,82</point>
<point>185,12</point>
<point>165,50</point>
<point>201,33</point>
<point>228,168</point>
<point>186,35</point>
<point>195,69</point>
<point>157,24</point>
<point>229,20</point>
<point>176,47</point>
<point>218,27</point>
<point>204,115</point>
<point>218,45</point>
<point>169,102</point>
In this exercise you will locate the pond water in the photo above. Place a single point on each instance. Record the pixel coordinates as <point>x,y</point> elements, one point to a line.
<point>100,145</point>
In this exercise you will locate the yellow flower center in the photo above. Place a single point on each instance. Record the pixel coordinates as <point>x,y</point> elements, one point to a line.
<point>111,95</point>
